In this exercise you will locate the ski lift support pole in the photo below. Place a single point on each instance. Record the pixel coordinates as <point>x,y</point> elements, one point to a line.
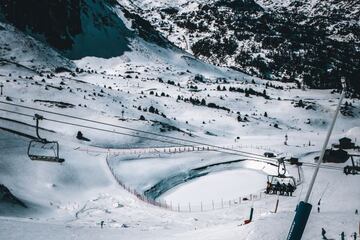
<point>303,209</point>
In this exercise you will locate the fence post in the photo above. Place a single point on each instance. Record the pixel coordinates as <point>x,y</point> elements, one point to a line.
<point>277,204</point>
<point>213,204</point>
<point>189,208</point>
<point>201,206</point>
<point>222,203</point>
<point>178,207</point>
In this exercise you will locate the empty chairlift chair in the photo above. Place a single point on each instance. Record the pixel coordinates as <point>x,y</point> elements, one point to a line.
<point>40,149</point>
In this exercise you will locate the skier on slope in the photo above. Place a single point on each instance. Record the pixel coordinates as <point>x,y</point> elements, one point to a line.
<point>102,224</point>
<point>342,236</point>
<point>354,235</point>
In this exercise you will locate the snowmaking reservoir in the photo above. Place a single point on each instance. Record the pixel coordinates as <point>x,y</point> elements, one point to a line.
<point>183,180</point>
<point>230,184</point>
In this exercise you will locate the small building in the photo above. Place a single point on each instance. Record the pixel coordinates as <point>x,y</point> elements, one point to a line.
<point>199,77</point>
<point>294,161</point>
<point>345,143</point>
<point>269,154</point>
<point>335,156</point>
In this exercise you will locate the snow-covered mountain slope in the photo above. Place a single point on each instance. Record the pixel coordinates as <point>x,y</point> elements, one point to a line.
<point>82,192</point>
<point>342,18</point>
<point>74,197</point>
<point>86,28</point>
<point>310,41</point>
<point>157,89</point>
<point>20,48</point>
<point>314,7</point>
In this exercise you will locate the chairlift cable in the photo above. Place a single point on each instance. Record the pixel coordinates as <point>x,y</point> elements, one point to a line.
<point>255,157</point>
<point>83,126</point>
<point>126,134</point>
<point>141,131</point>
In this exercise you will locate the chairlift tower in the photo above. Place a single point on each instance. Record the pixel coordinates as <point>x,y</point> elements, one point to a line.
<point>303,209</point>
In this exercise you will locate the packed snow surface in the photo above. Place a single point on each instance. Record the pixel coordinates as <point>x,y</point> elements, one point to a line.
<point>223,185</point>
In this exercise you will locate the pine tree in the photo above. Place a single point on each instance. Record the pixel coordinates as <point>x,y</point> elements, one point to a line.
<point>203,102</point>
<point>151,109</point>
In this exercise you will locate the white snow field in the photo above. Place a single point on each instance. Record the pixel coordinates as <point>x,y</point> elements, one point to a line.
<point>224,185</point>
<point>69,200</point>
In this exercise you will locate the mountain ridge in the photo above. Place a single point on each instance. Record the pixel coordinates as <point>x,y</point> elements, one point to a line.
<point>314,42</point>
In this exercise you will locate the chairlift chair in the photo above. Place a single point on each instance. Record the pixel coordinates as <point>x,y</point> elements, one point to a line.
<point>281,177</point>
<point>37,147</point>
<point>354,168</point>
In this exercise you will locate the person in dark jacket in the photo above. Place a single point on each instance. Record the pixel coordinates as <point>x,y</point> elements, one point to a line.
<point>268,187</point>
<point>283,189</point>
<point>278,188</point>
<point>354,235</point>
<point>289,189</point>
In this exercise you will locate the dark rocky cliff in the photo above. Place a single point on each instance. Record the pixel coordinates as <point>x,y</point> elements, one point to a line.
<point>57,20</point>
<point>79,28</point>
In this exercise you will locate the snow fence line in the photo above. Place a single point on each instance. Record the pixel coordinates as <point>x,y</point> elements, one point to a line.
<point>172,149</point>
<point>190,207</point>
